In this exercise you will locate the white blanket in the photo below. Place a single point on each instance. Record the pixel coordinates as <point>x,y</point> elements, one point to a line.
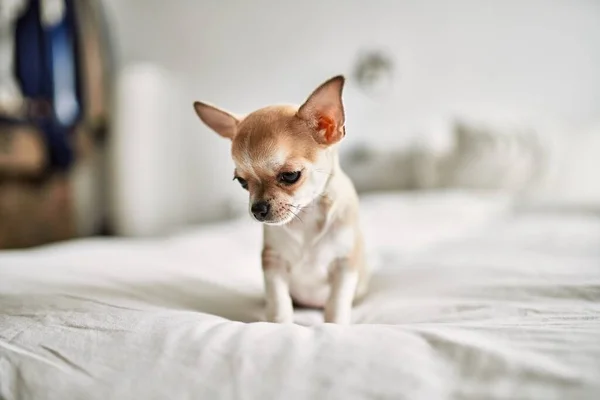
<point>468,301</point>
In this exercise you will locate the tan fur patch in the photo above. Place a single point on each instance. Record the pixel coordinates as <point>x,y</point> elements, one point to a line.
<point>270,258</point>
<point>270,130</point>
<point>270,141</point>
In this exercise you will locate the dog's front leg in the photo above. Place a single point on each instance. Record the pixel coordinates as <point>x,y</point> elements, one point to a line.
<point>276,276</point>
<point>343,280</point>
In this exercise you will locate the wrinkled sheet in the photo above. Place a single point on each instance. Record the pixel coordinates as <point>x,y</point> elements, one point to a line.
<point>469,299</point>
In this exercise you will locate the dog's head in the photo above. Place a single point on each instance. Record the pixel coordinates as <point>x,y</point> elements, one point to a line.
<point>282,154</point>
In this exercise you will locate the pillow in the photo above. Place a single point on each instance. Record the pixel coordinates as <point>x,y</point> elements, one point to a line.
<point>572,176</point>
<point>485,156</point>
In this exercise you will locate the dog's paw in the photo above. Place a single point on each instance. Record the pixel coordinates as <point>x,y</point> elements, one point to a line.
<point>280,315</point>
<point>337,317</point>
<point>338,321</point>
<point>280,319</point>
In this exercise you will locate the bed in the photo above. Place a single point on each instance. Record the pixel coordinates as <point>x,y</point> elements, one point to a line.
<point>472,298</point>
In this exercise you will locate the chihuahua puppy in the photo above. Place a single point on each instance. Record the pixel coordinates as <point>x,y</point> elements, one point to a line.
<point>286,158</point>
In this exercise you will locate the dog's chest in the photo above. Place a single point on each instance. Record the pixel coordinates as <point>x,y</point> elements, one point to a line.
<point>310,246</point>
<point>306,243</point>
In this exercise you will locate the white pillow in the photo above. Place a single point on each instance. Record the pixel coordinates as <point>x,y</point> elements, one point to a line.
<point>485,156</point>
<point>573,172</point>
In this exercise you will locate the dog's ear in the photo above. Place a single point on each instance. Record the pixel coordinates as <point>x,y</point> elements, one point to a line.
<point>220,121</point>
<point>324,111</point>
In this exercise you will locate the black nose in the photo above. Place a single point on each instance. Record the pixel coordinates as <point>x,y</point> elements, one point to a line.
<point>260,210</point>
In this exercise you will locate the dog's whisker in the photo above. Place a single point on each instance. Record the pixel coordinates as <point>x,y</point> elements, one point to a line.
<point>297,216</point>
<point>323,172</point>
<point>293,213</point>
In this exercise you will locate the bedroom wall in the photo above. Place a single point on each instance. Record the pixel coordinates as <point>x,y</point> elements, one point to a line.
<point>534,59</point>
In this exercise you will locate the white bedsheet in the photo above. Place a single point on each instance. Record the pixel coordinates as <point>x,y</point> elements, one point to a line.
<point>468,301</point>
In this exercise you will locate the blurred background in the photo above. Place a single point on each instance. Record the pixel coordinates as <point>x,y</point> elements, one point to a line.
<point>98,134</point>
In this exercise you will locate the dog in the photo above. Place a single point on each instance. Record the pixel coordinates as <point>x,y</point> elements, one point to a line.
<point>286,157</point>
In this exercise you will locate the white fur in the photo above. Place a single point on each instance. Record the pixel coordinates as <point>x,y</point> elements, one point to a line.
<point>310,255</point>
<point>343,287</point>
<point>279,302</point>
<point>314,253</point>
<point>318,175</point>
<point>277,160</point>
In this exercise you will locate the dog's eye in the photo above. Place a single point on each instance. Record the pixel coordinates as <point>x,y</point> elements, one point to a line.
<point>243,182</point>
<point>289,178</point>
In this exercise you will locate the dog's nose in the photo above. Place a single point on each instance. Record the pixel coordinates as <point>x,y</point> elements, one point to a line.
<point>260,210</point>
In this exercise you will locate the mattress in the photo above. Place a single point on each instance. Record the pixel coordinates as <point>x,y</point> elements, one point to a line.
<point>470,299</point>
